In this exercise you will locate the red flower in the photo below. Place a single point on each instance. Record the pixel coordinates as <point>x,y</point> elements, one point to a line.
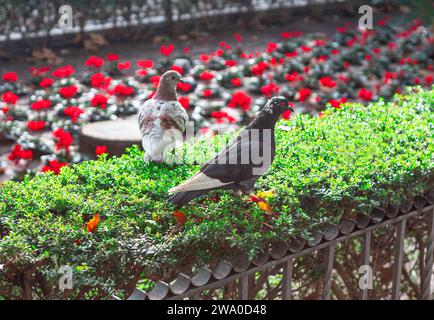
<point>365,94</point>
<point>287,113</point>
<point>231,63</point>
<point>95,62</point>
<point>206,75</point>
<point>218,114</point>
<point>155,81</point>
<point>98,80</point>
<point>68,92</point>
<point>271,46</point>
<point>177,68</point>
<point>429,80</point>
<point>292,54</point>
<point>184,86</point>
<point>112,57</point>
<point>64,139</point>
<point>292,77</point>
<point>303,94</point>
<point>36,72</point>
<point>40,105</point>
<point>141,73</point>
<point>99,100</point>
<point>123,90</point>
<point>286,35</point>
<point>35,125</point>
<point>343,78</point>
<point>124,65</point>
<point>180,217</point>
<point>392,45</point>
<point>236,82</point>
<point>319,43</point>
<point>54,166</point>
<point>238,37</point>
<point>73,112</point>
<point>204,57</point>
<point>240,99</point>
<point>337,103</point>
<point>99,150</point>
<point>152,94</point>
<point>351,42</point>
<point>306,49</point>
<point>10,76</point>
<point>270,89</point>
<point>186,50</point>
<point>327,82</point>
<point>145,63</point>
<point>167,50</point>
<point>18,153</point>
<point>259,68</point>
<point>9,97</point>
<point>207,93</point>
<point>63,72</point>
<point>184,101</point>
<point>46,82</point>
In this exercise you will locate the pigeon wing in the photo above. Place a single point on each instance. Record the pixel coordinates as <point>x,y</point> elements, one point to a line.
<point>227,168</point>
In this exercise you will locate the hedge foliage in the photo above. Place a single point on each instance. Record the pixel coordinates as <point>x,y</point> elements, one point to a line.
<point>349,160</point>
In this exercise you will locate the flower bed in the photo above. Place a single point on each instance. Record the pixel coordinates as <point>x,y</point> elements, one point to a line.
<point>111,222</point>
<point>224,88</point>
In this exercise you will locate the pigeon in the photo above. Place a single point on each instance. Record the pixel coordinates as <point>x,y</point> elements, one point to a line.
<point>159,115</point>
<point>237,167</point>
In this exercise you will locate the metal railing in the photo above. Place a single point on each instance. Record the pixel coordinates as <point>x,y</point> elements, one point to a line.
<point>35,23</point>
<point>324,240</point>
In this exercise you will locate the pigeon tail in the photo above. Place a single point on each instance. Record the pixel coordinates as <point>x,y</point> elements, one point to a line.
<point>183,198</point>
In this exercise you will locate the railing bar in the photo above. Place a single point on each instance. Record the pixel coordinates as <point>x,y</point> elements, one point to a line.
<point>287,279</point>
<point>366,252</point>
<point>329,254</point>
<point>243,287</point>
<point>305,252</point>
<point>428,265</point>
<point>399,255</point>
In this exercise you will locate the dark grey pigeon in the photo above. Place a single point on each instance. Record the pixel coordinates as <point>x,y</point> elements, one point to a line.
<point>242,161</point>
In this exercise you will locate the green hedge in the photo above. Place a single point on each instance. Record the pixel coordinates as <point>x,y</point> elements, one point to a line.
<point>350,160</point>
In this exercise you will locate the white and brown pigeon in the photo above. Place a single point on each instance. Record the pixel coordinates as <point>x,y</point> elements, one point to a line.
<point>160,115</point>
<point>242,161</point>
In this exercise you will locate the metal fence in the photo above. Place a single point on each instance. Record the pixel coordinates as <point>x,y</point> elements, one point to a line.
<point>324,240</point>
<point>34,23</point>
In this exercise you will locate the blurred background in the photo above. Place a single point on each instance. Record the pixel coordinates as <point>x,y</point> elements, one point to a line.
<point>70,71</point>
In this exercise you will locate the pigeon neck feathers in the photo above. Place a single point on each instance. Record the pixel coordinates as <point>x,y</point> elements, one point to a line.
<point>166,92</point>
<point>266,119</point>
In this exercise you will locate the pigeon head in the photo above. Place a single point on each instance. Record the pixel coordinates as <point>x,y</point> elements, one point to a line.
<point>167,86</point>
<point>277,105</point>
<point>270,113</point>
<point>171,77</point>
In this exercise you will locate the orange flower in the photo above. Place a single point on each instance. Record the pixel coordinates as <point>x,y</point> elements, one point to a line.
<point>264,206</point>
<point>180,217</point>
<point>93,223</point>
